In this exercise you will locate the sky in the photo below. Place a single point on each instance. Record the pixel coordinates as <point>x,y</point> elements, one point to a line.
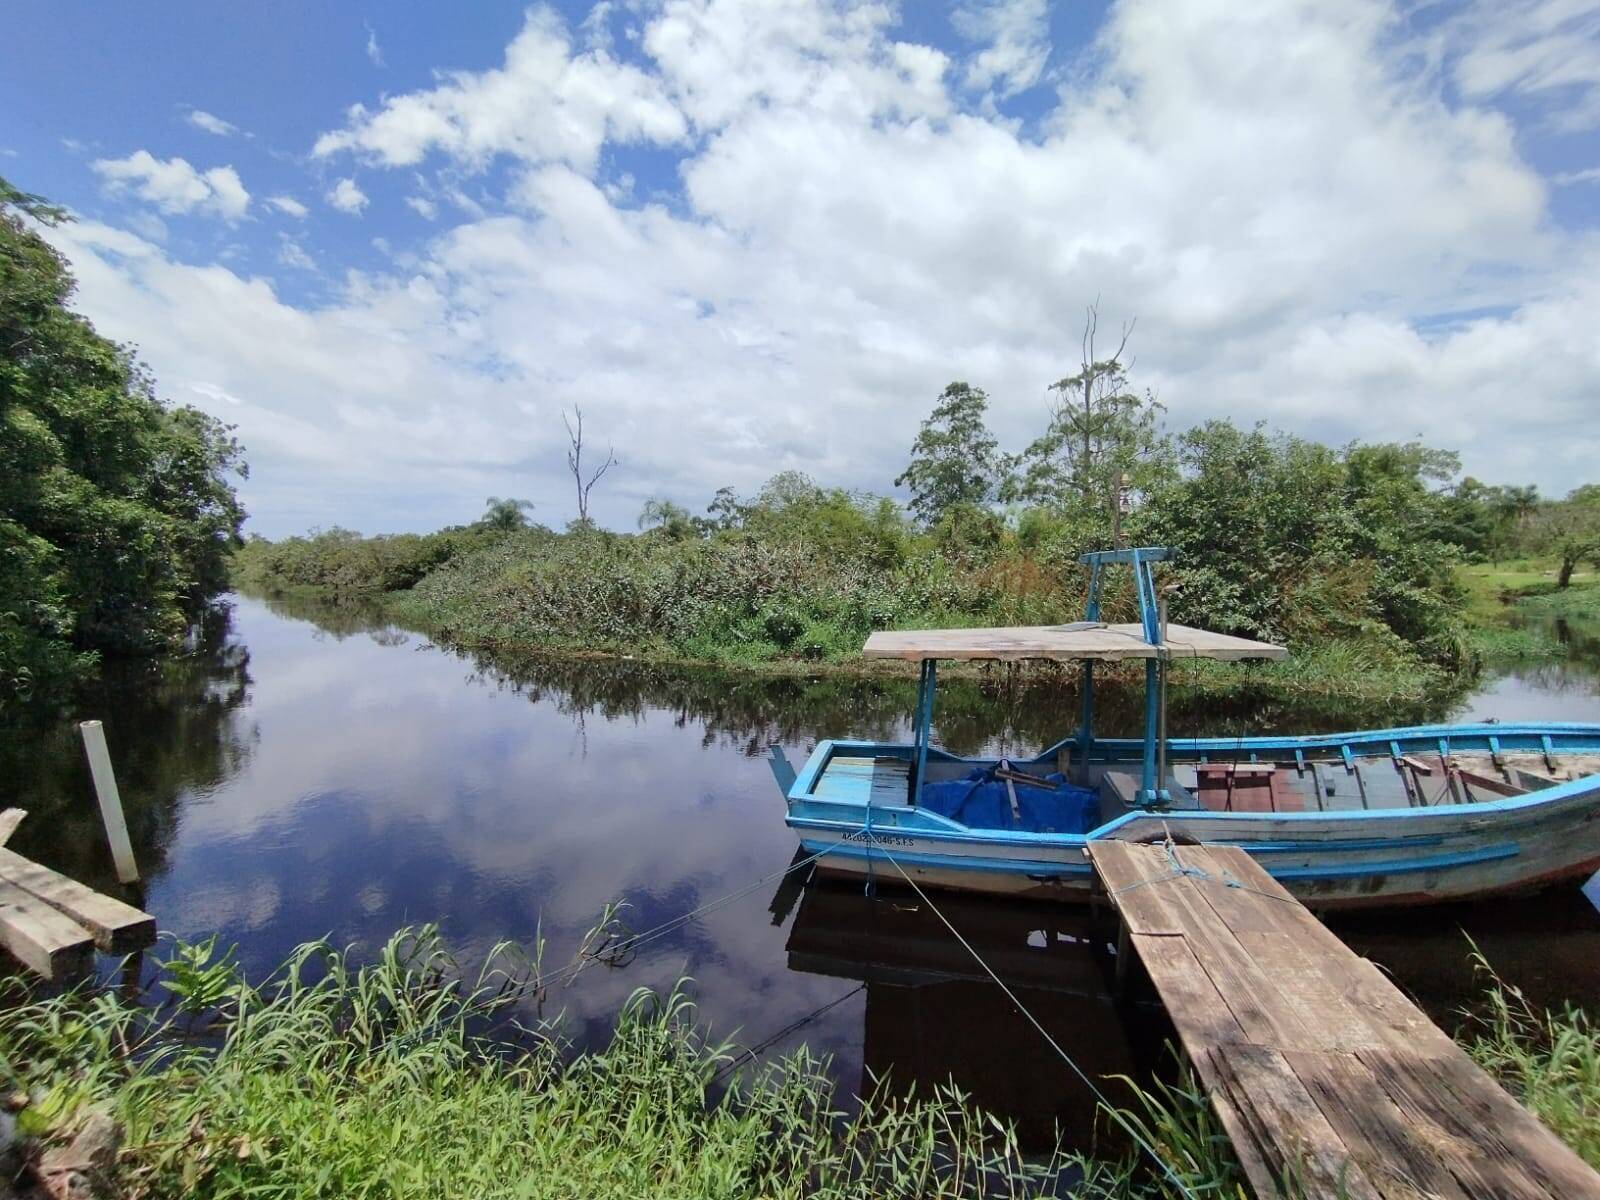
<point>392,244</point>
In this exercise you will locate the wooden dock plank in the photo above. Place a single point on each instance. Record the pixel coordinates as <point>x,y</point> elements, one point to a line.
<point>1320,1068</point>
<point>9,820</point>
<point>117,928</point>
<point>41,938</point>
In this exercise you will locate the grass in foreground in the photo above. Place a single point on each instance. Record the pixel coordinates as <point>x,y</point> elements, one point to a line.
<point>331,1079</point>
<point>1549,1061</point>
<point>334,1080</point>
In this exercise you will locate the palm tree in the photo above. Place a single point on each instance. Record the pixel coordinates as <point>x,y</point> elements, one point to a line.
<point>505,514</point>
<point>671,519</point>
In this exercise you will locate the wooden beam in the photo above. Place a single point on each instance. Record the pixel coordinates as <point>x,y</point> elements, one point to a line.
<point>116,928</point>
<point>1320,1069</point>
<point>41,938</point>
<point>1488,783</point>
<point>9,820</point>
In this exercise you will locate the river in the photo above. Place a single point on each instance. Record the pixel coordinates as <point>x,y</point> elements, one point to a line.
<point>313,772</point>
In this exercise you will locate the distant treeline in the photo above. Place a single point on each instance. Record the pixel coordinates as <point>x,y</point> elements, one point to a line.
<point>1275,537</point>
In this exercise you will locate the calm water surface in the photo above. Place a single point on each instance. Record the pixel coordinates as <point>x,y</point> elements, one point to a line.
<point>311,772</point>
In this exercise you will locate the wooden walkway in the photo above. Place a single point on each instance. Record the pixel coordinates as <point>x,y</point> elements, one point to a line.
<point>1323,1073</point>
<point>53,925</point>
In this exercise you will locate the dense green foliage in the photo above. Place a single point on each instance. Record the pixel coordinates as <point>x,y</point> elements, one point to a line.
<point>1278,538</point>
<point>116,511</point>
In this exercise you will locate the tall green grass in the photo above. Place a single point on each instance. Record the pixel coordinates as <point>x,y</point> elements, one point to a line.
<point>404,1077</point>
<point>1549,1060</point>
<point>398,1078</point>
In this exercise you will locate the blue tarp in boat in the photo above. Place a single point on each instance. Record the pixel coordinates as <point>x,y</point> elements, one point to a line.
<point>984,802</point>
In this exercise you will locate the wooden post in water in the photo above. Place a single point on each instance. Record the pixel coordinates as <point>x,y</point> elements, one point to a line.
<point>105,790</point>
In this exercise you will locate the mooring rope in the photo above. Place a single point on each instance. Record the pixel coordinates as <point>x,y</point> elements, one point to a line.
<point>1111,1110</point>
<point>771,1040</point>
<point>627,946</point>
<point>1180,871</point>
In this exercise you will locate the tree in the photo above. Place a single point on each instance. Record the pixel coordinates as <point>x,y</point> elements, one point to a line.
<point>117,513</point>
<point>1568,530</point>
<point>505,514</point>
<point>726,510</point>
<point>575,463</point>
<point>672,520</point>
<point>955,460</point>
<point>1100,430</point>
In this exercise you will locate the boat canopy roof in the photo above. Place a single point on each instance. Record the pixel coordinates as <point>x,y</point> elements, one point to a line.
<point>1063,643</point>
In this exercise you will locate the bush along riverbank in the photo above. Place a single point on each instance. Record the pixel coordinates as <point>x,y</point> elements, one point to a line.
<point>1515,608</point>
<point>400,1077</point>
<point>1274,538</point>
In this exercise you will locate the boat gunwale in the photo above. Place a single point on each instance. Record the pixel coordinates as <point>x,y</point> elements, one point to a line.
<point>1584,787</point>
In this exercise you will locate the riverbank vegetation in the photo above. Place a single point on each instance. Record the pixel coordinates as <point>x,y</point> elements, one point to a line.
<point>332,1079</point>
<point>117,514</point>
<point>404,1077</point>
<point>1346,554</point>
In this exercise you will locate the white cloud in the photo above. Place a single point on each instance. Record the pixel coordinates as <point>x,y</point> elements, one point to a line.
<point>1015,35</point>
<point>374,51</point>
<point>174,186</point>
<point>347,197</point>
<point>1587,175</point>
<point>544,103</point>
<point>1547,51</point>
<point>1291,207</point>
<point>422,206</point>
<point>289,205</point>
<point>292,254</point>
<point>201,119</point>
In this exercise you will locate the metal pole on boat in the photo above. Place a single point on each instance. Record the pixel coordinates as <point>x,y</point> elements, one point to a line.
<point>1152,702</point>
<point>1161,731</point>
<point>924,726</point>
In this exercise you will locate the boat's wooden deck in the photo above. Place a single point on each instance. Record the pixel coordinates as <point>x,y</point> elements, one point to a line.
<point>1322,1072</point>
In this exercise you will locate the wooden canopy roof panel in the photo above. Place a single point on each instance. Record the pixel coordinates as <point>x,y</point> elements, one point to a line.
<point>1062,643</point>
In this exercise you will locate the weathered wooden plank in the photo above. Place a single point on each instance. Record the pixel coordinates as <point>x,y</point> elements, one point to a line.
<point>9,820</point>
<point>1018,642</point>
<point>1509,1146</point>
<point>117,928</point>
<point>1134,881</point>
<point>1366,1119</point>
<point>1197,1009</point>
<point>41,938</point>
<point>1320,1069</point>
<point>1302,1149</point>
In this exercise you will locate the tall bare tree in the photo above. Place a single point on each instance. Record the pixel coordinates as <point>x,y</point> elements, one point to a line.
<point>1100,429</point>
<point>575,462</point>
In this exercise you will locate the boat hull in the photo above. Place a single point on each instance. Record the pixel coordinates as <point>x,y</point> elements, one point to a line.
<point>1449,851</point>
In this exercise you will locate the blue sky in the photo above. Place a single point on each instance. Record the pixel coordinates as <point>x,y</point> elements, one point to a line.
<point>756,236</point>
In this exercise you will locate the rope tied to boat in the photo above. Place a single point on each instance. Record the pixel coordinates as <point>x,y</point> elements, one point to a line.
<point>1179,870</point>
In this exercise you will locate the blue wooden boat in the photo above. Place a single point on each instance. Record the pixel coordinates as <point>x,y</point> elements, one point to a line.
<point>1381,817</point>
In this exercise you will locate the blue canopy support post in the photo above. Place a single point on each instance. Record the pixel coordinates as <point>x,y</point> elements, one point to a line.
<point>1142,560</point>
<point>924,726</point>
<point>1150,789</point>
